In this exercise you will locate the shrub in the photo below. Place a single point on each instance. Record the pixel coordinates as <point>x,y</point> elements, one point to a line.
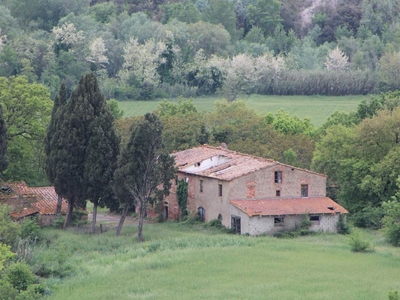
<point>368,217</point>
<point>393,295</point>
<point>341,226</point>
<point>358,243</point>
<point>9,230</point>
<point>19,275</point>
<point>30,229</point>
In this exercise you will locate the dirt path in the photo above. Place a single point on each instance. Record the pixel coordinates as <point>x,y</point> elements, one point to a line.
<point>111,219</point>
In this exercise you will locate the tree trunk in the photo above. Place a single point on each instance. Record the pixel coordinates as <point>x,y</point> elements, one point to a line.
<point>94,216</point>
<point>121,221</point>
<point>59,203</point>
<point>70,209</point>
<point>142,211</point>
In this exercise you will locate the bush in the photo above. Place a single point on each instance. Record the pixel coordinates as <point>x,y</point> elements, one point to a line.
<point>30,229</point>
<point>393,295</point>
<point>9,230</point>
<point>368,217</point>
<point>341,226</point>
<point>393,234</point>
<point>358,243</point>
<point>19,275</point>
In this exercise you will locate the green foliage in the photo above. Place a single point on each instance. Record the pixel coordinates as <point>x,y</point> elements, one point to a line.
<point>391,219</point>
<point>30,229</point>
<point>116,112</point>
<point>143,167</point>
<point>9,230</point>
<point>182,195</point>
<point>19,275</point>
<point>368,217</point>
<point>26,111</point>
<point>342,226</point>
<point>5,255</point>
<point>393,295</point>
<point>265,14</point>
<point>359,243</point>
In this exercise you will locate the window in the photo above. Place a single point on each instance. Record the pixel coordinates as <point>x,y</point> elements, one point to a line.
<point>220,217</point>
<point>278,221</point>
<point>176,179</point>
<point>235,224</point>
<point>201,212</point>
<point>278,176</point>
<point>314,220</point>
<point>220,190</point>
<point>278,193</point>
<point>201,186</point>
<point>304,190</point>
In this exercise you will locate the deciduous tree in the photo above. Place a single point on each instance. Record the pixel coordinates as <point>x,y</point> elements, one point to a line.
<point>144,167</point>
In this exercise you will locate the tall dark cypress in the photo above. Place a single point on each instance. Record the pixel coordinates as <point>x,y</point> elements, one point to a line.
<point>87,148</point>
<point>101,159</point>
<point>3,143</point>
<point>52,138</point>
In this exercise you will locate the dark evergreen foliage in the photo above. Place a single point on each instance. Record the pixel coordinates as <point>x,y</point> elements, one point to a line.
<point>143,166</point>
<point>3,143</point>
<point>84,145</point>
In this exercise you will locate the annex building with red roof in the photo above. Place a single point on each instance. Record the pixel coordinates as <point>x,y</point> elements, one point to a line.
<point>31,201</point>
<point>251,195</point>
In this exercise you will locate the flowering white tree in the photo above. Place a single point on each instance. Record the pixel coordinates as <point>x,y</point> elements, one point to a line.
<point>97,50</point>
<point>142,60</point>
<point>337,60</point>
<point>67,34</point>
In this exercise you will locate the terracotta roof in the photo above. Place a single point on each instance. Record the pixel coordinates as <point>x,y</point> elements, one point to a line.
<point>288,206</point>
<point>47,200</point>
<point>14,188</point>
<point>217,162</point>
<point>221,163</point>
<point>27,211</point>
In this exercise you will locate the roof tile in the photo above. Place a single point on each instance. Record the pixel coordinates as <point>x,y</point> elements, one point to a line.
<point>288,206</point>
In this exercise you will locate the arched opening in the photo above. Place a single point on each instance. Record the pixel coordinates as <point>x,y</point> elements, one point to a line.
<point>201,212</point>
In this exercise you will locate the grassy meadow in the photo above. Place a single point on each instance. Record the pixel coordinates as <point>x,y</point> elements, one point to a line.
<point>317,108</point>
<point>181,262</point>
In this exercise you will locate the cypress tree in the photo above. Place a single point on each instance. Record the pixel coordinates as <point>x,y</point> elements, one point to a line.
<point>86,147</point>
<point>51,139</point>
<point>3,143</point>
<point>101,160</point>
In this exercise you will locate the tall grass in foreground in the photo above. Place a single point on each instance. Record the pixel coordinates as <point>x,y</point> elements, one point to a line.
<point>177,262</point>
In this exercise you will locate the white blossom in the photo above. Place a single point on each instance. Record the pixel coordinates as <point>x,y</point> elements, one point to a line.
<point>97,50</point>
<point>337,60</point>
<point>142,61</point>
<point>67,34</point>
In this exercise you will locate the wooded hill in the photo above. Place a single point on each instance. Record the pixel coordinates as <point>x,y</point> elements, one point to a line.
<point>147,49</point>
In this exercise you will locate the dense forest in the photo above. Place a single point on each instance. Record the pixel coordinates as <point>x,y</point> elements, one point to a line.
<point>147,49</point>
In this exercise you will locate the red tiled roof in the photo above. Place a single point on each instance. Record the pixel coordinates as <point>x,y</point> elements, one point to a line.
<point>232,164</point>
<point>47,200</point>
<point>17,188</point>
<point>288,206</point>
<point>24,213</point>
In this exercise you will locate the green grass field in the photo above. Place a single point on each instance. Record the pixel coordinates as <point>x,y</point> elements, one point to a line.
<point>317,108</point>
<point>178,262</point>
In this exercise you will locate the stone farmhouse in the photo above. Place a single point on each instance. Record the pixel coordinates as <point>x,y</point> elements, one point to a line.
<point>251,195</point>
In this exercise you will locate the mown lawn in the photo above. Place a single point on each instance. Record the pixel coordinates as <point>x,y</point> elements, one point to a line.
<point>317,108</point>
<point>178,262</point>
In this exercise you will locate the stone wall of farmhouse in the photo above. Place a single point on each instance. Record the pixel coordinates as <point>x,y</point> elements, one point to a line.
<point>209,198</point>
<point>261,184</point>
<point>257,225</point>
